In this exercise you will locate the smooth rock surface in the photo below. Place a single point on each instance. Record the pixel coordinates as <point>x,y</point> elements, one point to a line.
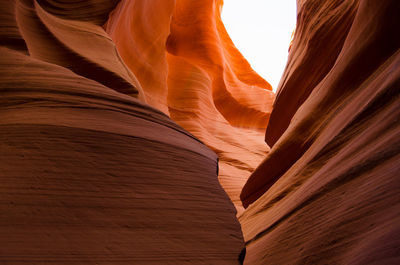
<point>94,169</point>
<point>89,173</point>
<point>190,69</point>
<point>328,191</point>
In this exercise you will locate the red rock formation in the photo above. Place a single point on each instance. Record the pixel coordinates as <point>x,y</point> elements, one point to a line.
<point>90,174</point>
<point>190,69</point>
<point>139,29</point>
<point>327,193</point>
<point>71,37</point>
<point>320,34</point>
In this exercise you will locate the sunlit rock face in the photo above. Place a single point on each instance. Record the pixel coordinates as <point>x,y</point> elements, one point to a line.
<point>95,169</point>
<point>189,68</point>
<point>328,192</point>
<point>90,174</point>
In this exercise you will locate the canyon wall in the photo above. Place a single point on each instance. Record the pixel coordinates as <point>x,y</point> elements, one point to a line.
<point>118,117</point>
<point>89,173</point>
<point>190,69</point>
<point>328,191</point>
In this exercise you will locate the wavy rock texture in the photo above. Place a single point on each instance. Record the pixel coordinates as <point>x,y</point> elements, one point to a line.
<point>190,69</point>
<point>90,174</point>
<point>328,192</point>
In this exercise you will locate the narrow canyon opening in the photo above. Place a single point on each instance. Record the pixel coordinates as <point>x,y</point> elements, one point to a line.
<point>262,31</point>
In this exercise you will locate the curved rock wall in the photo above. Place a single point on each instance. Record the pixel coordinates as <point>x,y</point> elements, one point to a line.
<point>319,38</point>
<point>190,69</point>
<point>89,174</point>
<point>327,193</point>
<point>94,171</point>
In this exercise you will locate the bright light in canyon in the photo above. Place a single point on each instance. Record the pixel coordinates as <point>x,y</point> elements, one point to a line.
<point>261,30</point>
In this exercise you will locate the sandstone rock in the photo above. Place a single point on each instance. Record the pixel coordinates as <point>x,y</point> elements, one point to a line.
<point>89,173</point>
<point>327,193</point>
<point>190,69</point>
<point>94,169</point>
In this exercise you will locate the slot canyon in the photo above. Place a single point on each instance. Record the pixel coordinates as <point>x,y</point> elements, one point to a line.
<point>135,132</point>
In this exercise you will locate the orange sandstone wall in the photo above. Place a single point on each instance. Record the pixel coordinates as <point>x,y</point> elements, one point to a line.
<point>139,30</point>
<point>328,191</point>
<point>189,68</point>
<point>94,171</point>
<point>319,38</point>
<point>89,173</point>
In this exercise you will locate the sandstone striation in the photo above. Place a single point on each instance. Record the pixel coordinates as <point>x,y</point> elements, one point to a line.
<point>190,69</point>
<point>90,174</point>
<point>327,193</point>
<point>128,128</point>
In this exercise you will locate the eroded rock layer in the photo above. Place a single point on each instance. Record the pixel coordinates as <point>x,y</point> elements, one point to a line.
<point>327,193</point>
<point>94,171</point>
<point>190,69</point>
<point>89,173</point>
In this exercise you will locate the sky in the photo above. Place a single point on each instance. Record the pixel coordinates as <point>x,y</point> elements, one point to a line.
<point>261,30</point>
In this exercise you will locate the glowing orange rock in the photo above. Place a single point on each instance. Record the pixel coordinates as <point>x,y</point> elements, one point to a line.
<point>92,174</point>
<point>89,173</point>
<point>189,68</point>
<point>139,29</point>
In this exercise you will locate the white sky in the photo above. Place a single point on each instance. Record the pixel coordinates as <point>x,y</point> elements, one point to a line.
<point>261,30</point>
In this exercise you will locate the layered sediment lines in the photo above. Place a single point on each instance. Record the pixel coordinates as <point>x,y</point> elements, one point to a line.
<point>189,68</point>
<point>95,169</point>
<point>91,174</point>
<point>327,193</point>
